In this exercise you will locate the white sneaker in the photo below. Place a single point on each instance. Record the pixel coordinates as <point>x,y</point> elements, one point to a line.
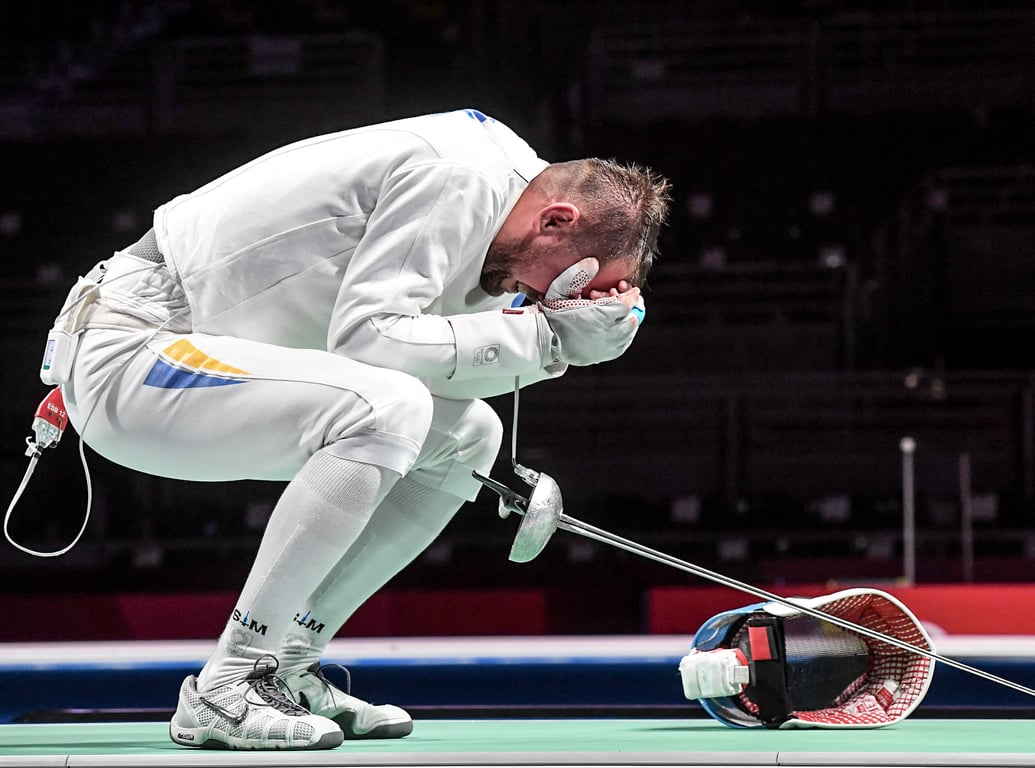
<point>356,718</point>
<point>254,713</point>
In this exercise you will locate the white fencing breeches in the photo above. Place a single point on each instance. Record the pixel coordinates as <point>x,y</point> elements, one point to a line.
<point>200,407</point>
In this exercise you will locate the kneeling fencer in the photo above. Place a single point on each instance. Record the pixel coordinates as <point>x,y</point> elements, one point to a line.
<point>331,314</point>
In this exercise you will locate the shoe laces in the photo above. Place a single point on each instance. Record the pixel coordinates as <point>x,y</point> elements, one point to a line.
<point>316,670</point>
<point>271,689</point>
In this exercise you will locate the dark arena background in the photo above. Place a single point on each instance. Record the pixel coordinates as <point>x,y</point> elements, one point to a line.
<point>848,273</point>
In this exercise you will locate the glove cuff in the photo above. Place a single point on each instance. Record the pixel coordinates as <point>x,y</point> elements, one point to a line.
<point>511,342</point>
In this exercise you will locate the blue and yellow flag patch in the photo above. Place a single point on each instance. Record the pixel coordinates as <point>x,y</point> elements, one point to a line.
<point>184,366</point>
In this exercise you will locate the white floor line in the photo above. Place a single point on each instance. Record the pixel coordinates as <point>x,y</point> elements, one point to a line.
<point>455,649</point>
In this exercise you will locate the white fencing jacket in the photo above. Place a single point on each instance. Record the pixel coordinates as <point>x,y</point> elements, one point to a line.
<point>368,243</point>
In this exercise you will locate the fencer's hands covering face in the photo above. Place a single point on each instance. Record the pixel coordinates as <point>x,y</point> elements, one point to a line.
<point>593,330</point>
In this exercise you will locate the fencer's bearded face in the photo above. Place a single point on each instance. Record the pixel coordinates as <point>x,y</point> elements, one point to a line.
<point>504,264</point>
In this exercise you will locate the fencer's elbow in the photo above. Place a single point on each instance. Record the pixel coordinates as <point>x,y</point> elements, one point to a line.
<point>370,344</point>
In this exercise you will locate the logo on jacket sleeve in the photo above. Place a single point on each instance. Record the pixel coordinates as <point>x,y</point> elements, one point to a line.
<point>487,355</point>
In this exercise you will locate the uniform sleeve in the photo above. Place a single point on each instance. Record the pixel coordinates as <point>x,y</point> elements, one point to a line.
<point>430,220</point>
<point>468,389</point>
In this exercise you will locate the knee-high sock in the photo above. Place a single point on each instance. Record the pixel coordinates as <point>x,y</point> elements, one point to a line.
<point>409,519</point>
<point>317,519</point>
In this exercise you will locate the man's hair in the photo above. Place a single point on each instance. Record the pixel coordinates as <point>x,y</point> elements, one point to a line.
<point>621,206</point>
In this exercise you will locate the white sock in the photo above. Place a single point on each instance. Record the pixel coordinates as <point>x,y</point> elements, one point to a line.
<point>318,518</point>
<point>408,520</point>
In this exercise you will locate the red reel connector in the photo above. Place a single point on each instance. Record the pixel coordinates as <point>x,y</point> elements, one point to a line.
<point>49,423</point>
<point>47,427</point>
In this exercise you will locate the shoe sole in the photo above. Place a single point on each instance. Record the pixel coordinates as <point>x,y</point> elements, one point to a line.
<point>188,737</point>
<point>394,730</point>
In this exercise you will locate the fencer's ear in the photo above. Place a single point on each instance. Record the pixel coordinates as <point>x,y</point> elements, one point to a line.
<point>557,215</point>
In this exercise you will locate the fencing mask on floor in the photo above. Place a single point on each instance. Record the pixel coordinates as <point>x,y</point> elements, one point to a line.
<point>769,665</point>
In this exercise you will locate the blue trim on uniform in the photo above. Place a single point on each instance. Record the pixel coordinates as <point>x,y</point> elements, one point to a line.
<point>519,301</point>
<point>167,376</point>
<point>481,117</point>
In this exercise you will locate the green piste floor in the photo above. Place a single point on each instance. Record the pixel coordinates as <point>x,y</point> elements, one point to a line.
<point>583,742</point>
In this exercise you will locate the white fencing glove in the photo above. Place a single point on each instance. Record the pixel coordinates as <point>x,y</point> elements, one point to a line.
<point>588,331</point>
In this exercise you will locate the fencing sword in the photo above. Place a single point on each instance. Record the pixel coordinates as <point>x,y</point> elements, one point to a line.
<point>542,513</point>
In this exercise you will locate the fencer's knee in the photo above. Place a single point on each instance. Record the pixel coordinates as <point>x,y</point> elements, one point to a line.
<point>480,435</point>
<point>392,431</point>
<point>405,407</point>
<point>465,435</point>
